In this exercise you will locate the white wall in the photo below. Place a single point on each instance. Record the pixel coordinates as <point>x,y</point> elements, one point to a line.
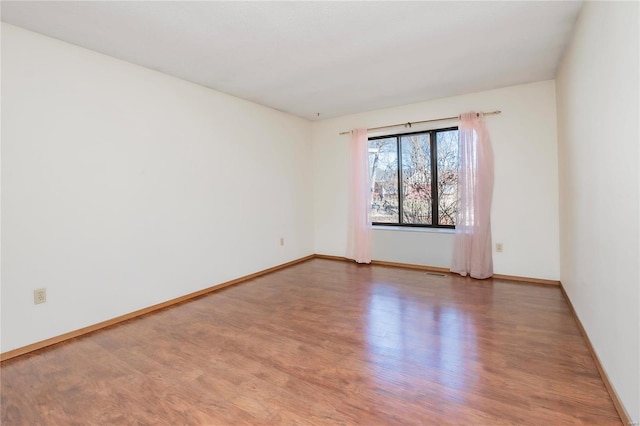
<point>123,187</point>
<point>525,203</point>
<point>598,142</point>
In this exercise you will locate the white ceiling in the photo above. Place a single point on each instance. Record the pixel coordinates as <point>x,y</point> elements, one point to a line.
<point>331,58</point>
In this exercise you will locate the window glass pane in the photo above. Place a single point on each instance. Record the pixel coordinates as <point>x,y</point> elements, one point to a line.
<point>447,152</point>
<point>383,170</point>
<point>416,179</point>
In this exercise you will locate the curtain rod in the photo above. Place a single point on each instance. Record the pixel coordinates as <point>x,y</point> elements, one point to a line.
<point>409,124</point>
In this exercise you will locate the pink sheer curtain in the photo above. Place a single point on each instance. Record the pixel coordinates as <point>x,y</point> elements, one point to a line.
<point>359,237</point>
<point>472,252</point>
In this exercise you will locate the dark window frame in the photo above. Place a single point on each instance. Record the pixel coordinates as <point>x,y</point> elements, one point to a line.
<point>435,205</point>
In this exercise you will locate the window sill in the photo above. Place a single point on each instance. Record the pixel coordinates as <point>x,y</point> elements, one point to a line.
<point>413,229</point>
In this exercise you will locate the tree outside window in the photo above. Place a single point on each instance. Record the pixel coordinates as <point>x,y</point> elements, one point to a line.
<point>414,178</point>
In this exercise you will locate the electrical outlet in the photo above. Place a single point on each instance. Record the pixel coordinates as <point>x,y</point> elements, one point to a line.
<point>499,247</point>
<point>39,295</point>
<point>281,241</point>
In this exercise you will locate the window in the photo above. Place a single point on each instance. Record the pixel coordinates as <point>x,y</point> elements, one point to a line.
<point>414,178</point>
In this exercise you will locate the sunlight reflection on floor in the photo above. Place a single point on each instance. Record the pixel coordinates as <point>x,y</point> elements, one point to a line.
<point>406,337</point>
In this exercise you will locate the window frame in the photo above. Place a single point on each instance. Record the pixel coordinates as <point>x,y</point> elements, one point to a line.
<point>435,205</point>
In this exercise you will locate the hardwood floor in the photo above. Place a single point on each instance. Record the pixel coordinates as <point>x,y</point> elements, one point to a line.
<point>324,342</point>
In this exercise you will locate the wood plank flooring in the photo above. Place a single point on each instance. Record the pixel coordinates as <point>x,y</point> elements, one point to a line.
<point>324,342</point>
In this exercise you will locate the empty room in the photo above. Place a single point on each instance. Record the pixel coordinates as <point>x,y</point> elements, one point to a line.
<point>319,213</point>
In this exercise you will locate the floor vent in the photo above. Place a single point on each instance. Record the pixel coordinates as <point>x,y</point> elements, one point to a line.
<point>436,274</point>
